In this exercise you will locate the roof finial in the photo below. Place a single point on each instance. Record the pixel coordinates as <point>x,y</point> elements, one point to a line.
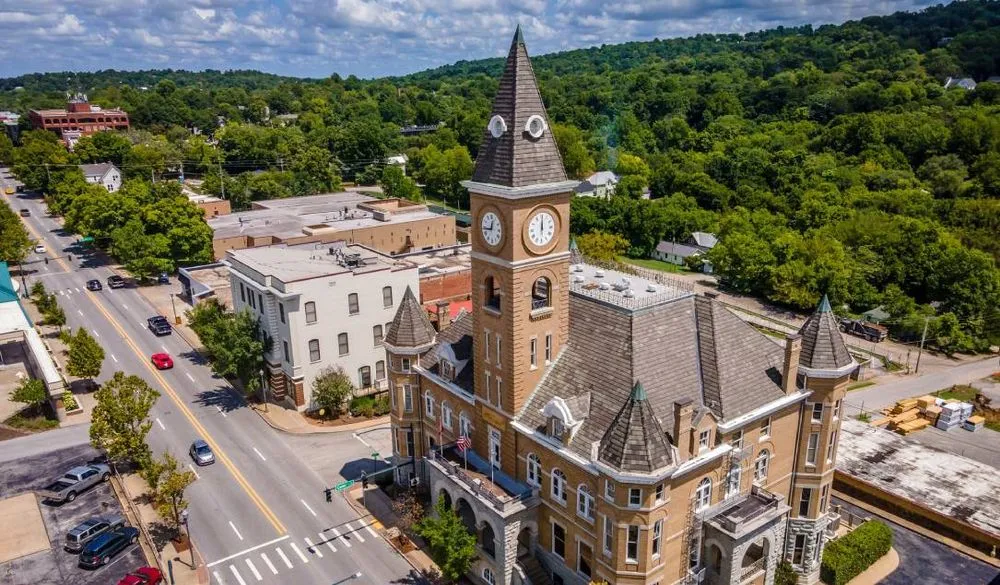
<point>638,392</point>
<point>824,305</point>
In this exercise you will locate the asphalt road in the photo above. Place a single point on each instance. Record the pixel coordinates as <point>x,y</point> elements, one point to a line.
<point>886,393</point>
<point>259,514</point>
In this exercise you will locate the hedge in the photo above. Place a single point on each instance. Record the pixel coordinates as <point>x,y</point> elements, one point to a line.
<point>369,406</point>
<point>848,556</point>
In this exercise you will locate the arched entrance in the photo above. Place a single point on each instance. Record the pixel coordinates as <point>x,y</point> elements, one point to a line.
<point>464,511</point>
<point>754,564</point>
<point>487,540</point>
<point>525,541</point>
<point>445,497</point>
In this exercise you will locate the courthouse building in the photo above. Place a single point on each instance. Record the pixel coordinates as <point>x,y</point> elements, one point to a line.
<point>623,428</point>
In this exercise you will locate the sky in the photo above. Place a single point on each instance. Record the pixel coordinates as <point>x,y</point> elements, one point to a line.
<point>367,38</point>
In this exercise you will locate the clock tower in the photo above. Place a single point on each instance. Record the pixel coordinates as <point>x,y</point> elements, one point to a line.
<point>519,201</point>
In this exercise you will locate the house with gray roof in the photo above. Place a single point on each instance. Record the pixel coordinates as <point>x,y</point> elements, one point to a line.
<point>105,174</point>
<point>966,83</point>
<point>677,253</point>
<point>600,184</point>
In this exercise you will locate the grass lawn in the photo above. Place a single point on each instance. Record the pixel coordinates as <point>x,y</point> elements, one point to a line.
<point>653,264</point>
<point>958,392</point>
<point>993,426</point>
<point>31,423</point>
<point>859,385</point>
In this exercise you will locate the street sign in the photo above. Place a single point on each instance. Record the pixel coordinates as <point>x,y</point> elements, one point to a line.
<point>343,486</point>
<point>374,454</point>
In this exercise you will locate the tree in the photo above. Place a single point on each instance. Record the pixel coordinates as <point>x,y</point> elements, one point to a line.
<point>14,240</point>
<point>120,419</point>
<point>396,184</point>
<point>331,389</point>
<point>443,172</point>
<point>85,356</point>
<point>453,546</point>
<point>234,342</point>
<point>577,160</point>
<point>55,315</point>
<point>169,494</point>
<point>30,391</point>
<point>314,172</point>
<point>143,255</point>
<point>408,509</point>
<point>602,246</point>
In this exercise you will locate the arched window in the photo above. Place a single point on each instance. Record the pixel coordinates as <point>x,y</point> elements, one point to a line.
<point>760,466</point>
<point>364,377</point>
<point>703,495</point>
<point>387,296</point>
<point>540,294</point>
<point>585,502</point>
<point>488,576</point>
<point>559,486</point>
<point>534,470</point>
<point>491,290</point>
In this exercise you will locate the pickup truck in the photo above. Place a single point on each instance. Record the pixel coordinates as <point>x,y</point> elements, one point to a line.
<point>74,481</point>
<point>869,331</point>
<point>159,325</point>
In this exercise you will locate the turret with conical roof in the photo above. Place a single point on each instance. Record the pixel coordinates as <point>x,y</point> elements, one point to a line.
<point>823,347</point>
<point>635,442</point>
<point>411,331</point>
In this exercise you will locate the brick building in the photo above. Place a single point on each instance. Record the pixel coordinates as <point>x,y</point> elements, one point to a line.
<point>79,118</point>
<point>623,429</point>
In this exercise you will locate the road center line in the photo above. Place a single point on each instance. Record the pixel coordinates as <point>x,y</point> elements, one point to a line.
<point>237,575</point>
<point>281,554</point>
<point>114,358</point>
<point>79,311</point>
<point>233,526</point>
<point>245,551</point>
<point>161,424</point>
<point>267,561</point>
<point>254,570</point>
<point>307,507</point>
<point>259,454</point>
<point>96,334</point>
<point>164,348</point>
<point>196,476</point>
<point>298,552</point>
<point>315,550</point>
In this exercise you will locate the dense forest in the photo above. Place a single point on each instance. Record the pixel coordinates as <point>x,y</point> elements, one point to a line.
<point>828,159</point>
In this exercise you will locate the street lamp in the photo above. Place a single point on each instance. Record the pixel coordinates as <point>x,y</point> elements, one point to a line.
<point>263,391</point>
<point>187,527</point>
<point>174,305</point>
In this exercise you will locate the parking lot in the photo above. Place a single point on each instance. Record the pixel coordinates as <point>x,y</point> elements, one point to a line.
<point>56,566</point>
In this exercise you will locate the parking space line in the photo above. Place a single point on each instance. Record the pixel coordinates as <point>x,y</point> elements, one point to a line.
<point>281,554</point>
<point>254,570</point>
<point>233,526</point>
<point>307,507</point>
<point>315,550</point>
<point>196,476</point>
<point>237,575</point>
<point>161,424</point>
<point>259,454</point>
<point>245,551</point>
<point>336,534</point>
<point>328,541</point>
<point>217,576</point>
<point>357,533</point>
<point>298,552</point>
<point>267,562</point>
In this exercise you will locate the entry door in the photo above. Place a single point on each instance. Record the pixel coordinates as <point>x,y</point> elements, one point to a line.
<point>494,447</point>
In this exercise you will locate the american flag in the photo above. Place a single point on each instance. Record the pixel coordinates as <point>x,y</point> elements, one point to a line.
<point>463,443</point>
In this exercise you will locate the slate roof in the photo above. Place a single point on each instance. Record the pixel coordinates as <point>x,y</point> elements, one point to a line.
<point>635,442</point>
<point>682,250</point>
<point>688,348</point>
<point>823,347</point>
<point>96,170</point>
<point>458,336</point>
<point>515,159</point>
<point>410,327</point>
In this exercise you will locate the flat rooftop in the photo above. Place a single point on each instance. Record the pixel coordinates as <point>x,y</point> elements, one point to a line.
<point>441,260</point>
<point>314,214</point>
<point>627,290</point>
<point>952,485</point>
<point>290,263</point>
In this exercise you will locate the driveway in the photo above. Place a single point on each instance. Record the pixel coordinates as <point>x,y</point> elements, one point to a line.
<point>922,560</point>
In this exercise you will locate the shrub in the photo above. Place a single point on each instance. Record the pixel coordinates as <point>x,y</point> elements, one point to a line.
<point>69,401</point>
<point>331,389</point>
<point>785,575</point>
<point>362,406</point>
<point>848,556</point>
<point>382,406</point>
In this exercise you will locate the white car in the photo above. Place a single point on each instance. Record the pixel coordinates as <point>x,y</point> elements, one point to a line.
<point>40,249</point>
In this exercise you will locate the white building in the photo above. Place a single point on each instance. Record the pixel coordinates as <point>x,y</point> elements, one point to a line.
<point>106,175</point>
<point>600,184</point>
<point>321,305</point>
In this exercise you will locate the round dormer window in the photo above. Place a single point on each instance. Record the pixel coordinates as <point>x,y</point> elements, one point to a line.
<point>536,126</point>
<point>497,126</point>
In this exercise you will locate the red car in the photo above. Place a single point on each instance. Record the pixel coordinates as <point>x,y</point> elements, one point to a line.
<point>162,361</point>
<point>143,576</point>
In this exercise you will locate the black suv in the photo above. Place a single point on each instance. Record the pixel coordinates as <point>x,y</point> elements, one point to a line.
<point>102,549</point>
<point>159,325</point>
<point>116,281</point>
<point>25,213</point>
<point>94,285</point>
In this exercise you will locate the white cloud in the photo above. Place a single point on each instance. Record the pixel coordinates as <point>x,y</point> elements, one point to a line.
<point>366,37</point>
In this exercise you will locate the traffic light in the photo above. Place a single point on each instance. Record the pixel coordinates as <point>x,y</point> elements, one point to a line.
<point>329,494</point>
<point>364,480</point>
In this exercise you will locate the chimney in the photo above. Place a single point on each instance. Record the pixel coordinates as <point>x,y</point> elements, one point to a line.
<point>682,427</point>
<point>790,371</point>
<point>711,294</point>
<point>444,315</point>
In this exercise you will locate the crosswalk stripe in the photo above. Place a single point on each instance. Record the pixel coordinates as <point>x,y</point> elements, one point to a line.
<point>218,577</point>
<point>267,561</point>
<point>254,570</point>
<point>328,540</point>
<point>313,548</point>
<point>336,534</point>
<point>237,575</point>
<point>298,552</point>
<point>281,554</point>
<point>356,533</point>
<point>368,527</point>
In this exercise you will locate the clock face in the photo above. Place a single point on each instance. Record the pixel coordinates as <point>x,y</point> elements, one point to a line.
<point>541,228</point>
<point>491,227</point>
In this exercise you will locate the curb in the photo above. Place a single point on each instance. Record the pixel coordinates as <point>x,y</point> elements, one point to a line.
<point>353,427</point>
<point>354,505</point>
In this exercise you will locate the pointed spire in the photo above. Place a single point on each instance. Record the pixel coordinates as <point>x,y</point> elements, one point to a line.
<point>823,347</point>
<point>638,392</point>
<point>575,256</point>
<point>824,305</point>
<point>635,442</point>
<point>516,157</point>
<point>410,327</point>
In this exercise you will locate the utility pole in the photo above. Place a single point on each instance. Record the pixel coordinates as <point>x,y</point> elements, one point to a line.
<point>222,180</point>
<point>152,176</point>
<point>923,338</point>
<point>48,176</point>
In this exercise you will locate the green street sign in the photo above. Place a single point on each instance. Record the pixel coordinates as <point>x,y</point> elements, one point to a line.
<point>374,454</point>
<point>343,486</point>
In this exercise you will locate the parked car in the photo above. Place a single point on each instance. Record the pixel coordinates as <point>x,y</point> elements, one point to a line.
<point>102,549</point>
<point>89,529</point>
<point>159,325</point>
<point>201,453</point>
<point>75,481</point>
<point>162,361</point>
<point>40,249</point>
<point>116,281</point>
<point>25,213</point>
<point>94,285</point>
<point>869,331</point>
<point>163,278</point>
<point>143,576</point>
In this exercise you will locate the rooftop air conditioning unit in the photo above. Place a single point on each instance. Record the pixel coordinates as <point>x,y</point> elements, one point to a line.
<point>650,287</point>
<point>626,281</point>
<point>599,274</point>
<point>578,268</point>
<point>628,294</point>
<point>604,286</point>
<point>579,279</point>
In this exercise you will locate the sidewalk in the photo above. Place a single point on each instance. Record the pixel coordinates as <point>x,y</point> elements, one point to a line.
<point>294,422</point>
<point>379,507</point>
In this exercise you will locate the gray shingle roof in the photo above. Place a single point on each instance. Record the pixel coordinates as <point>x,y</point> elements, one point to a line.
<point>459,336</point>
<point>516,159</point>
<point>690,348</point>
<point>682,250</point>
<point>410,327</point>
<point>823,347</point>
<point>635,442</point>
<point>96,170</point>
<point>704,240</point>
